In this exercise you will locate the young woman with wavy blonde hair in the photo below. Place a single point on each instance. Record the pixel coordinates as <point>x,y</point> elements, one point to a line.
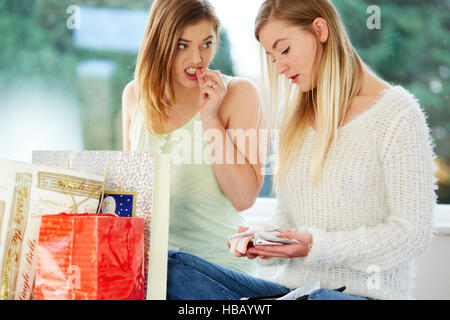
<point>355,182</point>
<point>176,105</point>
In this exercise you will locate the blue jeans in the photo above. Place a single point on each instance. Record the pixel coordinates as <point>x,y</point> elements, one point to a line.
<point>193,278</point>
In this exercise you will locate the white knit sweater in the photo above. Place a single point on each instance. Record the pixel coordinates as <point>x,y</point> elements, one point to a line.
<point>371,214</point>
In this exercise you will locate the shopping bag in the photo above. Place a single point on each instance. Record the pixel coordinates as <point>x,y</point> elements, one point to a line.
<point>26,192</point>
<point>90,257</point>
<point>142,177</point>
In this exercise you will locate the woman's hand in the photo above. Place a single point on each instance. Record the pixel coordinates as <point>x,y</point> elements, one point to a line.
<point>238,254</point>
<point>293,250</point>
<point>212,93</point>
<point>287,251</point>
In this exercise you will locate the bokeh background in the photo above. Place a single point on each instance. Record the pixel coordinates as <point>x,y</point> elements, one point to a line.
<point>64,64</point>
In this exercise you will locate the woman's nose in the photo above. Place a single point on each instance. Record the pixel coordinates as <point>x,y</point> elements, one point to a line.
<point>196,57</point>
<point>280,68</point>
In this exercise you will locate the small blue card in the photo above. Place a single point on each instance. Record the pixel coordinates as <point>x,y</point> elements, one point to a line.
<point>119,203</point>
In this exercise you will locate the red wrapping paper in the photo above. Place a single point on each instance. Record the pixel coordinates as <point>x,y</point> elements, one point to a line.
<point>90,257</point>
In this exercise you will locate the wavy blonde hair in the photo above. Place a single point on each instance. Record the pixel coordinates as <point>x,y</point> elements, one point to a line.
<point>340,72</point>
<point>165,25</point>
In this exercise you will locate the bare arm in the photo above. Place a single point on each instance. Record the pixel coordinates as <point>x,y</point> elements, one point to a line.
<point>128,107</point>
<point>238,167</point>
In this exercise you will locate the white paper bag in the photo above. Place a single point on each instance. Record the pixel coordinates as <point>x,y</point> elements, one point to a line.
<point>28,191</point>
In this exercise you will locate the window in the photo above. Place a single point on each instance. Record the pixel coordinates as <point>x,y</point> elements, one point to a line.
<point>60,73</point>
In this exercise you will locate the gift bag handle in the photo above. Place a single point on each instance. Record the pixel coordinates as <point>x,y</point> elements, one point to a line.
<point>101,190</point>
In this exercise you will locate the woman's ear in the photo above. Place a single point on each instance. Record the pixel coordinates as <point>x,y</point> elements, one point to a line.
<point>320,27</point>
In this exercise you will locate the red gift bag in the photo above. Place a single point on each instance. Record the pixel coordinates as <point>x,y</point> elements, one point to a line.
<point>90,257</point>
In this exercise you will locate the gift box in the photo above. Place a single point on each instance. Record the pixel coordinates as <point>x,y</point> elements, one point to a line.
<point>90,257</point>
<point>142,178</point>
<point>28,191</point>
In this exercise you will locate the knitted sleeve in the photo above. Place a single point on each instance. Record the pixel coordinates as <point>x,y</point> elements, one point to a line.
<point>408,169</point>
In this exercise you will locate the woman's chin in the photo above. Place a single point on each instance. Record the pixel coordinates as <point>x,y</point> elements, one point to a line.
<point>187,83</point>
<point>304,87</point>
<point>191,84</point>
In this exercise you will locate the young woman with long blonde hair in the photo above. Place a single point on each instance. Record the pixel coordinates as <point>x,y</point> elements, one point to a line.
<point>176,105</point>
<point>355,181</point>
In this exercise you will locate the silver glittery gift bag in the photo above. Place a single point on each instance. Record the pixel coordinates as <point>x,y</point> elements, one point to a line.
<point>141,177</point>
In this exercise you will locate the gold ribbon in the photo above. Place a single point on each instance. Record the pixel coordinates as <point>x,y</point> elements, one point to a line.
<point>105,176</point>
<point>67,183</point>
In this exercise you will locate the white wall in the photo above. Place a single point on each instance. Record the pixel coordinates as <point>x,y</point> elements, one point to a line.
<point>433,271</point>
<point>433,267</point>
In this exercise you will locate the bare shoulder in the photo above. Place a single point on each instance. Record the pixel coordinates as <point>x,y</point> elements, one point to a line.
<point>381,87</point>
<point>371,91</point>
<point>240,92</point>
<point>242,86</point>
<point>242,103</point>
<point>129,100</point>
<point>374,86</point>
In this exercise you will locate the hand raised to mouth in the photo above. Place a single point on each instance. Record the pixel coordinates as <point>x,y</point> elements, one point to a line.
<point>212,92</point>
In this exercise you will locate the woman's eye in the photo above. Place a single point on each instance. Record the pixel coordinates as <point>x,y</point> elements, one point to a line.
<point>182,46</point>
<point>208,44</point>
<point>282,53</point>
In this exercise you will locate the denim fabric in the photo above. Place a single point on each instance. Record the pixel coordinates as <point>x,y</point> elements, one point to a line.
<point>192,278</point>
<point>325,294</point>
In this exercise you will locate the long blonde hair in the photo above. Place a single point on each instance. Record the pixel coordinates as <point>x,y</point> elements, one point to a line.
<point>340,73</point>
<point>165,25</point>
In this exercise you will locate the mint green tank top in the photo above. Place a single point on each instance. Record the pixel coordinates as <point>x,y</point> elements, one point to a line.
<point>201,216</point>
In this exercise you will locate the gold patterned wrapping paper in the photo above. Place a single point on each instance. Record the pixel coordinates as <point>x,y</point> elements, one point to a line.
<point>126,171</point>
<point>26,193</point>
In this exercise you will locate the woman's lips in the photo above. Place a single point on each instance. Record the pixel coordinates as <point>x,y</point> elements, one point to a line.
<point>192,77</point>
<point>294,79</point>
